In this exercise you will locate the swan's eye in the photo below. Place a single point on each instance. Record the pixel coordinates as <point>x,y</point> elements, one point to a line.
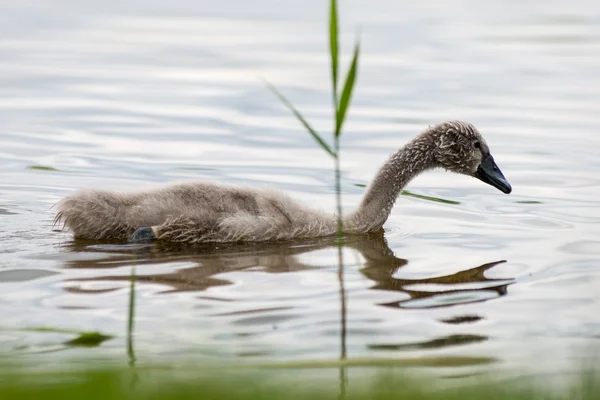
<point>477,145</point>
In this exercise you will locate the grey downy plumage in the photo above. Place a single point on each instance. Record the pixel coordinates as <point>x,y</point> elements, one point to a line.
<point>210,212</point>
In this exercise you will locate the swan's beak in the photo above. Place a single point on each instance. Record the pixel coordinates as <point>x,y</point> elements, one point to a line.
<point>489,173</point>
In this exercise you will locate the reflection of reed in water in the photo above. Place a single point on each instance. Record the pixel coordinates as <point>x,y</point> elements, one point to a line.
<point>380,265</point>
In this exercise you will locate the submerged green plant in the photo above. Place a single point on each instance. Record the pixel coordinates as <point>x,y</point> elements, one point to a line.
<point>83,339</point>
<point>88,339</point>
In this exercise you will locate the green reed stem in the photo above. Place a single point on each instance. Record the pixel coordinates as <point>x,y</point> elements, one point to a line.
<point>337,122</point>
<point>130,319</point>
<point>333,52</point>
<point>340,255</point>
<point>340,107</point>
<point>130,326</point>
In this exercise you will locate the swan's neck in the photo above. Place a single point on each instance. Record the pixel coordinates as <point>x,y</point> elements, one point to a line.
<point>397,172</point>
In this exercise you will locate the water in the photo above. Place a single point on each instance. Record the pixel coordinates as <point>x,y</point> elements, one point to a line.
<point>127,96</point>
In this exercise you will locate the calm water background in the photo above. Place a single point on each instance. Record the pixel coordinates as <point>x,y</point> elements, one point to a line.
<point>127,96</point>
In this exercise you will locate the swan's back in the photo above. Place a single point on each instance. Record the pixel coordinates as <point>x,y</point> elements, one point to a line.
<point>194,211</point>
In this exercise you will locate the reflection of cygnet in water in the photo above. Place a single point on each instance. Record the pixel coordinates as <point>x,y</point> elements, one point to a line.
<point>378,264</point>
<point>207,212</point>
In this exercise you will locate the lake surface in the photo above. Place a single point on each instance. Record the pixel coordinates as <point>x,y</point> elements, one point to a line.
<point>129,96</point>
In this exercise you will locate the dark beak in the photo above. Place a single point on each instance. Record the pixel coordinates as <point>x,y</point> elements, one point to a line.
<point>489,173</point>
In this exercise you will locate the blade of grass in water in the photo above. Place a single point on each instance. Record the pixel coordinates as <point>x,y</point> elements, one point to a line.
<point>84,338</point>
<point>430,198</point>
<point>42,168</point>
<point>130,318</point>
<point>88,339</point>
<point>52,169</point>
<point>52,330</point>
<point>347,91</point>
<point>310,130</point>
<point>418,196</point>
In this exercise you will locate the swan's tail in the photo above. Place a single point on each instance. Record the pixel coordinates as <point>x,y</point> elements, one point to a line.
<point>96,215</point>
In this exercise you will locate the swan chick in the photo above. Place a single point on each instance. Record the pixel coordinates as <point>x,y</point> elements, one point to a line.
<point>198,212</point>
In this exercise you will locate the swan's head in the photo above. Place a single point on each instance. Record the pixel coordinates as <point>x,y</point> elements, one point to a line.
<point>459,147</point>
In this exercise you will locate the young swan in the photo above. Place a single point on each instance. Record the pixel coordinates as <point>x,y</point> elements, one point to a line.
<point>208,212</point>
